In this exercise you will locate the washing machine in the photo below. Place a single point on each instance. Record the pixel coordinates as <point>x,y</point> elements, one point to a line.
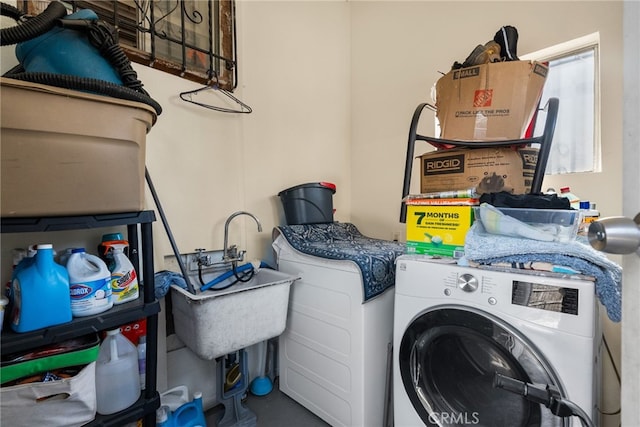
<point>335,353</point>
<point>469,343</point>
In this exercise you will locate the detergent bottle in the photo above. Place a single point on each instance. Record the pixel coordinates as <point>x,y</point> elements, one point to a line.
<point>105,251</point>
<point>26,259</point>
<point>40,292</point>
<point>117,379</point>
<point>90,284</point>
<point>177,411</point>
<point>124,280</point>
<point>18,255</point>
<point>589,214</point>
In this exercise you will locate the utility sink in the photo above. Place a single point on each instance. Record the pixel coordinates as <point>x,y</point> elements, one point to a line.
<point>214,323</point>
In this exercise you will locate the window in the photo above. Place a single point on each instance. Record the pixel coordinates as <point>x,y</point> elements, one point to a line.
<point>574,79</point>
<point>193,39</point>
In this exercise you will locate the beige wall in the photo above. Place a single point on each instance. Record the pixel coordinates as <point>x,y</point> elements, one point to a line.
<point>294,73</point>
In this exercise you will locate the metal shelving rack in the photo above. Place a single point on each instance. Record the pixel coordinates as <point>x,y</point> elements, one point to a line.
<point>543,140</point>
<point>145,307</point>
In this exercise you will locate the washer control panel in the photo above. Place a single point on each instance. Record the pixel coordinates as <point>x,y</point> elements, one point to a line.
<point>537,298</point>
<point>467,282</point>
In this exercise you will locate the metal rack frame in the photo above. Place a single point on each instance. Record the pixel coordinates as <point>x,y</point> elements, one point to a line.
<point>146,306</point>
<point>543,155</point>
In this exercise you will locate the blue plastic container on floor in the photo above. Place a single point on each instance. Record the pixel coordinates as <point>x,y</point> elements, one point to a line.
<point>190,414</point>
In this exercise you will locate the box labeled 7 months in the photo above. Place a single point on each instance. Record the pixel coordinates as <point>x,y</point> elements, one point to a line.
<point>438,230</point>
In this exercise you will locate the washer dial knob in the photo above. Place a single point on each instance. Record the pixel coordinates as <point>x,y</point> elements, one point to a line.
<point>467,282</point>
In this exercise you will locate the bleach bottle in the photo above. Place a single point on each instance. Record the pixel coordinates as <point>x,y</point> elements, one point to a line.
<point>40,292</point>
<point>117,379</point>
<point>124,280</point>
<point>90,284</point>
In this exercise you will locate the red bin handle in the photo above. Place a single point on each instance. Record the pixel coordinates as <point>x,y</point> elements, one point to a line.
<point>329,185</point>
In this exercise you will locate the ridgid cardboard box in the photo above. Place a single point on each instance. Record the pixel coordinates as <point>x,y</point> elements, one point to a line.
<point>438,230</point>
<point>488,170</point>
<point>489,102</point>
<point>529,157</point>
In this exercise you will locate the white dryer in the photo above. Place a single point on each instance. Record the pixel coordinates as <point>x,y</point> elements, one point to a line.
<point>456,327</point>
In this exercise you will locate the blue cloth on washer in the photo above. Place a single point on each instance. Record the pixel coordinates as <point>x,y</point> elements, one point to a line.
<point>485,248</point>
<point>342,241</point>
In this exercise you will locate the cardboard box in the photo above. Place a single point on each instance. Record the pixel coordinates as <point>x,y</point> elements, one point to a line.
<point>529,157</point>
<point>66,152</point>
<point>489,102</point>
<point>438,230</point>
<point>488,170</point>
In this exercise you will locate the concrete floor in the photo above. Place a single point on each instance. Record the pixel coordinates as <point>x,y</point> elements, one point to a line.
<point>275,409</point>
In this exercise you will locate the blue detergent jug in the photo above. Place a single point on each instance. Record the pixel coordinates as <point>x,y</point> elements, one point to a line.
<point>68,52</point>
<point>40,293</point>
<point>190,414</point>
<point>187,414</point>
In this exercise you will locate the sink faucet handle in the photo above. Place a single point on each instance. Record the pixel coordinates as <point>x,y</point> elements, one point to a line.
<point>202,260</point>
<point>231,252</point>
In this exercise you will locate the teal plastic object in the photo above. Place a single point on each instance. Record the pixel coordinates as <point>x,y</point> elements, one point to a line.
<point>68,52</point>
<point>40,293</point>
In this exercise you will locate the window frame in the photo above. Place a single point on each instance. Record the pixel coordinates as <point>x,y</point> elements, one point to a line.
<point>575,47</point>
<point>222,64</point>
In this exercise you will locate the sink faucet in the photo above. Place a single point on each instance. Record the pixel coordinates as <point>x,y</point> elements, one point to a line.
<point>230,254</point>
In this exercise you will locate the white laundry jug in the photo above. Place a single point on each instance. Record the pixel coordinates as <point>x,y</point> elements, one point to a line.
<point>117,379</point>
<point>89,283</point>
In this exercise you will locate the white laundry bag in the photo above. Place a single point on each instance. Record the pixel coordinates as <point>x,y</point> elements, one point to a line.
<point>68,402</point>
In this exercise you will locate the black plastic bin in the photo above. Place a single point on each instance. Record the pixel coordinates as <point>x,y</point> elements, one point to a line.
<point>310,203</point>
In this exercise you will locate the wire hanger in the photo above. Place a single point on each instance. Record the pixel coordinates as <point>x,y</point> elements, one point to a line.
<point>188,96</point>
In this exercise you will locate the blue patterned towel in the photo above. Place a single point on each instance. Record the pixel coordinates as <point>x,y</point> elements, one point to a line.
<point>484,248</point>
<point>342,241</point>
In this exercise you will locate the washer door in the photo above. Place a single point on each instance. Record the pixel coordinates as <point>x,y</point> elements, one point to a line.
<point>448,357</point>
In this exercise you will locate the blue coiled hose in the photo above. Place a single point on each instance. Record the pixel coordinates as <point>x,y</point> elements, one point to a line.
<point>227,274</point>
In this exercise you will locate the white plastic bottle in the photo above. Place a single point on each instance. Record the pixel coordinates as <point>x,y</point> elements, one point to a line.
<point>89,284</point>
<point>142,360</point>
<point>124,280</point>
<point>117,378</point>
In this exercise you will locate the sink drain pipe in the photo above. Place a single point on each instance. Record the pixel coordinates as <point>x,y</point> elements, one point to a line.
<point>176,252</point>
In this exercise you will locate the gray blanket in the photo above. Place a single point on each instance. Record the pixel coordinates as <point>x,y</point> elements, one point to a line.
<point>487,248</point>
